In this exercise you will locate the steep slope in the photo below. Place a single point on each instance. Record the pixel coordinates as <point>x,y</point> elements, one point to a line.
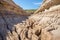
<point>10,15</point>
<point>41,26</point>
<point>44,25</point>
<point>47,4</point>
<point>9,5</point>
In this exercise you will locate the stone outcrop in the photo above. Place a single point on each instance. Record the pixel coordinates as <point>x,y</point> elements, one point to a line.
<point>47,4</point>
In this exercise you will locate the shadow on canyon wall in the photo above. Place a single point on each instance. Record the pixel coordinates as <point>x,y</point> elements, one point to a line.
<point>7,28</point>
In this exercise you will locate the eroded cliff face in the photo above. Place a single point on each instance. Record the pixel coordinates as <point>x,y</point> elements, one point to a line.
<point>7,28</point>
<point>10,15</point>
<point>41,26</point>
<point>10,6</point>
<point>47,4</point>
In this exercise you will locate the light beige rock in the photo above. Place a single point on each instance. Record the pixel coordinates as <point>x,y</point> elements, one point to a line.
<point>42,26</point>
<point>34,37</point>
<point>47,4</point>
<point>54,8</point>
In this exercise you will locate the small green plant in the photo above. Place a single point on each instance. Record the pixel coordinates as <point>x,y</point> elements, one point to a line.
<point>31,10</point>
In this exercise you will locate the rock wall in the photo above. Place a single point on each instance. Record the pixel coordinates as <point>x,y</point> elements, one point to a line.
<point>10,15</point>
<point>7,29</point>
<point>42,26</point>
<point>47,4</point>
<point>9,5</point>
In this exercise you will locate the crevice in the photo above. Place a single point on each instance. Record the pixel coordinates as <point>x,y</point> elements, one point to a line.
<point>19,37</point>
<point>1,36</point>
<point>16,30</point>
<point>51,29</point>
<point>26,34</point>
<point>18,34</point>
<point>38,33</point>
<point>31,25</point>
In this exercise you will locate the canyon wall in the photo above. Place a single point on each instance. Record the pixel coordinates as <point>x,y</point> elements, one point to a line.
<point>44,25</point>
<point>46,5</point>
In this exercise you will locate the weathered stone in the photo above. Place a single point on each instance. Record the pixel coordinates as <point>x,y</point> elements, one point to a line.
<point>47,4</point>
<point>42,26</point>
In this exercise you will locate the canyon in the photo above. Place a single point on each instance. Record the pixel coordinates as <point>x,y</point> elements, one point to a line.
<point>17,24</point>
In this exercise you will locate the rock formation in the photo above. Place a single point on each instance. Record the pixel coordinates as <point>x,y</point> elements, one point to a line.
<point>9,5</point>
<point>47,4</point>
<point>41,26</point>
<point>44,25</point>
<point>10,15</point>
